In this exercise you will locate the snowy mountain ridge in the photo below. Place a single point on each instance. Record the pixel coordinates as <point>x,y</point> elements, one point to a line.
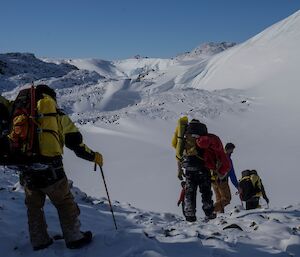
<point>127,87</point>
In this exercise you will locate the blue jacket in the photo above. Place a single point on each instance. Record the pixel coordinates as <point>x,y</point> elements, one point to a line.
<point>232,175</point>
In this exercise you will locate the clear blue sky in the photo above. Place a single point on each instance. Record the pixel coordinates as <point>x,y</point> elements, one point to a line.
<point>117,29</point>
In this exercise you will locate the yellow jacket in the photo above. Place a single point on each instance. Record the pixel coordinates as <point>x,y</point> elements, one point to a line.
<point>72,138</point>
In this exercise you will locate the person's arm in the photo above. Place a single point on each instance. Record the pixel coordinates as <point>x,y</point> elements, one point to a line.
<point>73,139</point>
<point>232,176</point>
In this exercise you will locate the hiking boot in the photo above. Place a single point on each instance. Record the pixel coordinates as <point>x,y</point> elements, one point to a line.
<point>43,246</point>
<point>211,216</point>
<point>87,238</point>
<point>191,218</point>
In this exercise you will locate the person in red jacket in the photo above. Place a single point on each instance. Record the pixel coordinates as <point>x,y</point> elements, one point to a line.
<point>214,156</point>
<point>221,187</point>
<point>219,164</point>
<point>182,196</point>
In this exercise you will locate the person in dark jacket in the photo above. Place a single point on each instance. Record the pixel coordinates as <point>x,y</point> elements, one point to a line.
<point>192,166</point>
<point>221,187</point>
<point>252,188</point>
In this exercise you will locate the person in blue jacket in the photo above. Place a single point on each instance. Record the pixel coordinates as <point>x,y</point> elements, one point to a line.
<point>221,187</point>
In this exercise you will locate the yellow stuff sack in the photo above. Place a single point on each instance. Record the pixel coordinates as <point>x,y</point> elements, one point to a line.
<point>182,123</point>
<point>48,130</point>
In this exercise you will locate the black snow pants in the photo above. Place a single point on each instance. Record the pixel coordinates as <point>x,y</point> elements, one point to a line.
<point>194,178</point>
<point>252,203</point>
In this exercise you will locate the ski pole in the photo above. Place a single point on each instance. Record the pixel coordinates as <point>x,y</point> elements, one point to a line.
<point>111,209</point>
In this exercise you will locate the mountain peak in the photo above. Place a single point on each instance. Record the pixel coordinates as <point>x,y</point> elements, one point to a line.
<point>208,49</point>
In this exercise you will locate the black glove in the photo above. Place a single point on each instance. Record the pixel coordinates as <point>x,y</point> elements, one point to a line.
<point>180,174</point>
<point>267,200</point>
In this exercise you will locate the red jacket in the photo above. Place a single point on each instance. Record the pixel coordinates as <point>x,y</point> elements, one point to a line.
<point>214,154</point>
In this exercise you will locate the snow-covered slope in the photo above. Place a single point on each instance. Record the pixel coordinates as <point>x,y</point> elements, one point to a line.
<point>265,232</point>
<point>21,68</point>
<point>104,68</point>
<point>272,54</point>
<point>206,50</point>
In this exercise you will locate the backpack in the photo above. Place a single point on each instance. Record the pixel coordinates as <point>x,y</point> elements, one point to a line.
<point>249,185</point>
<point>34,128</point>
<point>194,130</point>
<point>214,155</point>
<point>192,156</point>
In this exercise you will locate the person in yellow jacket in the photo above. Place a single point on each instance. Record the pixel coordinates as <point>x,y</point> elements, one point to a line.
<point>47,177</point>
<point>251,189</point>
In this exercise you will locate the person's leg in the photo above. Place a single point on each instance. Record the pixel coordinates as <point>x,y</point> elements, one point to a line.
<point>218,206</point>
<point>34,200</point>
<point>206,193</point>
<point>225,193</point>
<point>190,197</point>
<point>68,211</point>
<point>183,208</point>
<point>253,203</point>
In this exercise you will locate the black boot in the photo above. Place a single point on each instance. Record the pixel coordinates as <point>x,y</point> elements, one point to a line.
<point>211,216</point>
<point>87,238</point>
<point>43,246</point>
<point>191,218</point>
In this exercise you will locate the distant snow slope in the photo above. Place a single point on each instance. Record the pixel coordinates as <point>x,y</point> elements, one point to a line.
<point>104,68</point>
<point>261,60</point>
<point>21,68</point>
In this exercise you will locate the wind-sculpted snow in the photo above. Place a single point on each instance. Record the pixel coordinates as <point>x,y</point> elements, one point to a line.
<point>103,67</point>
<point>109,100</point>
<point>261,233</point>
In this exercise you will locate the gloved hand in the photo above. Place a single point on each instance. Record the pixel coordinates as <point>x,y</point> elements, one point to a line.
<point>178,203</point>
<point>98,159</point>
<point>213,176</point>
<point>180,174</point>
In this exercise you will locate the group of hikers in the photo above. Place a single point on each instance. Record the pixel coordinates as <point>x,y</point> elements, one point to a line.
<point>33,132</point>
<point>204,163</point>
